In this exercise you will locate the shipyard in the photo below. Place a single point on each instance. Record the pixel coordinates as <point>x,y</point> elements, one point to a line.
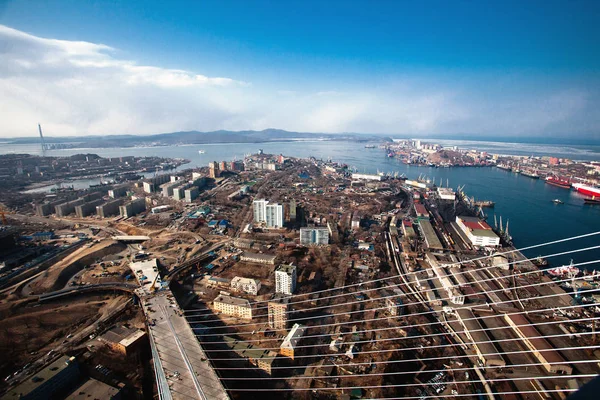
<point>302,273</point>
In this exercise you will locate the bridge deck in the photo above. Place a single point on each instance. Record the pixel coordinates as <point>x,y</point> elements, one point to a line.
<point>186,366</point>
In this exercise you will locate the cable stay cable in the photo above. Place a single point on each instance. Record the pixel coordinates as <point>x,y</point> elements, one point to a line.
<point>209,312</point>
<point>501,290</point>
<point>431,311</point>
<point>452,264</point>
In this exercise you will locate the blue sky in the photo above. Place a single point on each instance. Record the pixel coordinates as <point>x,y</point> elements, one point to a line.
<point>491,68</point>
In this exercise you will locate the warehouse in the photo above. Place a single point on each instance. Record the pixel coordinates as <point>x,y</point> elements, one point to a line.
<point>428,234</point>
<point>541,349</point>
<point>478,232</point>
<point>486,351</point>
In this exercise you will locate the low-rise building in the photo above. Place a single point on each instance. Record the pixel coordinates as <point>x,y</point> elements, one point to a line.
<point>234,306</point>
<point>258,258</point>
<point>123,340</point>
<point>289,346</point>
<point>260,358</point>
<point>247,285</point>
<point>93,389</point>
<point>56,378</point>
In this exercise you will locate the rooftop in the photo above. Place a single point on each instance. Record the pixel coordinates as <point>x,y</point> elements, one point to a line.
<point>236,301</point>
<point>118,333</point>
<point>287,268</point>
<point>40,378</point>
<point>292,339</point>
<point>94,390</point>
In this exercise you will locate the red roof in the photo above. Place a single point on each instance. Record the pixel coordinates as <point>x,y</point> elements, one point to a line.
<point>420,209</point>
<point>477,225</point>
<point>407,223</point>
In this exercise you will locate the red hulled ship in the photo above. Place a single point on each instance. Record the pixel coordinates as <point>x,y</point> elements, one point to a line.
<point>587,190</point>
<point>560,182</point>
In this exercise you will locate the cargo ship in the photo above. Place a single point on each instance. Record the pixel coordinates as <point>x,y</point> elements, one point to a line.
<point>560,182</point>
<point>586,189</point>
<point>485,203</point>
<point>530,174</point>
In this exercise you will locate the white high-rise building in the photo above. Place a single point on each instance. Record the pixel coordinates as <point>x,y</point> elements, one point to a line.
<point>274,215</point>
<point>285,279</point>
<point>318,236</point>
<point>269,214</point>
<point>259,208</point>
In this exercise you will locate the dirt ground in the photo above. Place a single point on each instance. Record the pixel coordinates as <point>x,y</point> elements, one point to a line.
<point>28,332</point>
<point>57,276</point>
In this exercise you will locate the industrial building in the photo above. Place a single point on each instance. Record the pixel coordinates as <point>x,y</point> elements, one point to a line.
<point>278,309</point>
<point>109,209</point>
<point>258,258</point>
<point>407,229</point>
<point>123,340</point>
<point>234,306</point>
<point>367,177</point>
<point>431,239</point>
<point>453,292</point>
<point>51,381</point>
<point>478,232</point>
<point>285,279</point>
<point>288,347</point>
<point>132,208</point>
<point>246,285</point>
<point>485,349</point>
<point>421,211</point>
<point>446,194</point>
<point>314,236</point>
<point>540,347</point>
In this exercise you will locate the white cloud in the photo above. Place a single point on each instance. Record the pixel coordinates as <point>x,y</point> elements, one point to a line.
<point>80,88</point>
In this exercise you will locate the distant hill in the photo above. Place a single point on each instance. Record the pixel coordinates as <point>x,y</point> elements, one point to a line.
<point>194,137</point>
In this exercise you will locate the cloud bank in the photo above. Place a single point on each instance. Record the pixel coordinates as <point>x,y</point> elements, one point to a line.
<point>83,88</point>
